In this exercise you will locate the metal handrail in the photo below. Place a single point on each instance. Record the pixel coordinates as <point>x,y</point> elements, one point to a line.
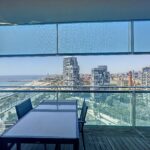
<point>85,86</point>
<point>91,89</point>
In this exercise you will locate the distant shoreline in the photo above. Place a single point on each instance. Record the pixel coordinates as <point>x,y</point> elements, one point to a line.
<point>17,81</point>
<point>20,78</point>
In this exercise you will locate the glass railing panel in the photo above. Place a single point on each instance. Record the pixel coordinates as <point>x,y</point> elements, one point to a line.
<point>7,119</point>
<point>143,109</point>
<point>8,102</point>
<point>15,98</point>
<point>43,96</point>
<point>113,108</point>
<point>104,108</point>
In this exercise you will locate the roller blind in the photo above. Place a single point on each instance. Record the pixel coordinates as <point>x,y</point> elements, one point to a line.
<point>142,36</point>
<point>93,38</point>
<point>28,39</point>
<point>75,39</point>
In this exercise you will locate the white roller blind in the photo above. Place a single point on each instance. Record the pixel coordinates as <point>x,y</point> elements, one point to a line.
<point>93,38</point>
<point>28,39</point>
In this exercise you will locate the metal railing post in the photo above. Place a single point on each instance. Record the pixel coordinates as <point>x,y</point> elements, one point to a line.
<point>57,94</point>
<point>133,109</point>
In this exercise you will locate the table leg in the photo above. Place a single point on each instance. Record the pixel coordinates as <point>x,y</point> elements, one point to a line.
<point>58,147</point>
<point>4,145</point>
<point>18,146</point>
<point>76,145</point>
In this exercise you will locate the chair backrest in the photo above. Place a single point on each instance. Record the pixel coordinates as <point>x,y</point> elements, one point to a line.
<point>84,113</point>
<point>82,110</point>
<point>23,108</point>
<point>83,116</point>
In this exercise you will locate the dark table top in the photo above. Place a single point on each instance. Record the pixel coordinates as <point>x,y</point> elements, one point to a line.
<point>46,121</point>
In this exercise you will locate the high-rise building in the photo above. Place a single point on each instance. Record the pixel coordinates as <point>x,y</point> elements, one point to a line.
<point>146,82</point>
<point>146,76</point>
<point>130,79</point>
<point>100,78</point>
<point>71,76</point>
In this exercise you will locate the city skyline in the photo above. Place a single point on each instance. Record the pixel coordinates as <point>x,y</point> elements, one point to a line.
<point>54,65</point>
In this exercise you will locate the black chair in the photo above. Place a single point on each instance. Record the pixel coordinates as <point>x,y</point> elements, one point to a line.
<point>23,108</point>
<point>82,121</point>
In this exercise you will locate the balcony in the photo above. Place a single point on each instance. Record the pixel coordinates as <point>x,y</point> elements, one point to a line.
<point>113,119</point>
<point>116,105</point>
<point>118,117</point>
<point>107,138</point>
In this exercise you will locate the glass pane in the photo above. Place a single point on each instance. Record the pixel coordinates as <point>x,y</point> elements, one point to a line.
<point>142,36</point>
<point>93,37</point>
<point>28,39</point>
<point>8,101</point>
<point>142,109</point>
<point>103,108</point>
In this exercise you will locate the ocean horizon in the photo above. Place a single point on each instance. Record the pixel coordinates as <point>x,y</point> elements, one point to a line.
<point>16,80</point>
<point>19,78</point>
<point>12,83</point>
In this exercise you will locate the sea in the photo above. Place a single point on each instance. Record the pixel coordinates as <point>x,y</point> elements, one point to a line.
<point>16,80</point>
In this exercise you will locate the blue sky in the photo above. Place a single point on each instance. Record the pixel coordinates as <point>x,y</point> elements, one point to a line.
<point>95,37</point>
<point>54,65</point>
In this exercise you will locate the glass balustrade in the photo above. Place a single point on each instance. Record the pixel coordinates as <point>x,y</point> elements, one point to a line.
<point>122,107</point>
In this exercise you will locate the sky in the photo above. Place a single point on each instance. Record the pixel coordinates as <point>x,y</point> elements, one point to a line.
<point>95,37</point>
<point>54,64</point>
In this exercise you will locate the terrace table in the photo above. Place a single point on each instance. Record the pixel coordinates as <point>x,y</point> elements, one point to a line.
<point>50,122</point>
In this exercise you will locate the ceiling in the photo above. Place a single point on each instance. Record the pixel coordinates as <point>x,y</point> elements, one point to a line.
<point>69,11</point>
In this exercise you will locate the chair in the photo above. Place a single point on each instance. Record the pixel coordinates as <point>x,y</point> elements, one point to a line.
<point>82,121</point>
<point>23,108</point>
